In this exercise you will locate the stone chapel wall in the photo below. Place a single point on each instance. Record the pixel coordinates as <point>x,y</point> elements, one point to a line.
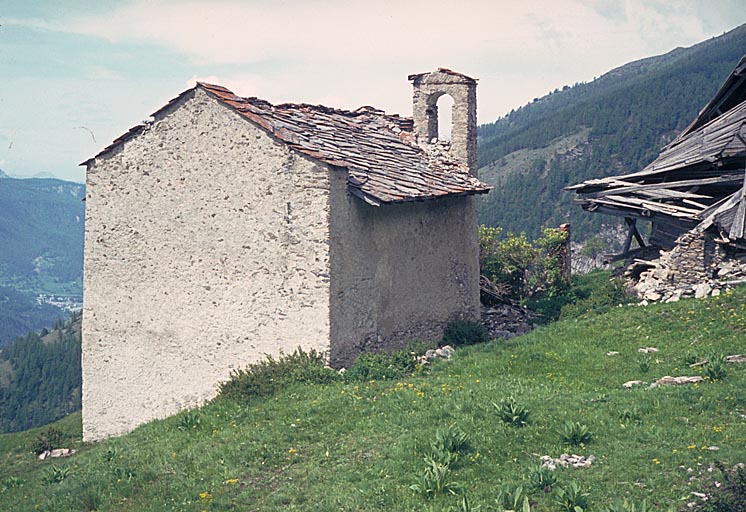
<point>206,248</point>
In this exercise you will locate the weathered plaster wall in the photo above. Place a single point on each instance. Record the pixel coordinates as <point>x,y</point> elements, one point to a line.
<point>399,272</point>
<point>206,247</point>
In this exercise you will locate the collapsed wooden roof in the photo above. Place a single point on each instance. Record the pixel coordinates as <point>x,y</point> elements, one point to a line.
<point>697,180</point>
<point>380,151</point>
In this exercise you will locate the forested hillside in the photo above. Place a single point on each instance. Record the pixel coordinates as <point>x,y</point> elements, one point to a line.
<point>40,378</point>
<point>615,124</point>
<point>20,312</point>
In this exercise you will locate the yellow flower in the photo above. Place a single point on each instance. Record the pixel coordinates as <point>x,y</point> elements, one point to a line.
<point>292,450</point>
<point>231,481</point>
<point>691,447</point>
<point>656,461</point>
<point>205,496</point>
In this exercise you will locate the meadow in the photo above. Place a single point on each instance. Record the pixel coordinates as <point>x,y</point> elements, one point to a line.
<point>459,434</point>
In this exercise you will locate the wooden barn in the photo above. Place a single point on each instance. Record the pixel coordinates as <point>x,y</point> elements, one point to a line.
<point>695,184</point>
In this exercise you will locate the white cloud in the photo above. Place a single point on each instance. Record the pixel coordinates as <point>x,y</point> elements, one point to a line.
<point>342,53</point>
<point>359,52</point>
<point>103,73</point>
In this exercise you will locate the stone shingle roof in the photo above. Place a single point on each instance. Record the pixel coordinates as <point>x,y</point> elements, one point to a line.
<point>385,163</point>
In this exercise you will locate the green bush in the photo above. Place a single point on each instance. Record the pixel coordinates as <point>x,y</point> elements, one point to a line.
<point>575,434</point>
<point>269,375</point>
<point>627,506</point>
<point>382,366</point>
<point>731,495</point>
<point>512,413</point>
<point>512,499</point>
<point>435,479</point>
<point>716,368</point>
<point>48,439</point>
<point>526,269</point>
<point>571,497</point>
<point>449,444</point>
<point>462,333</point>
<point>596,293</point>
<point>542,479</point>
<point>55,474</point>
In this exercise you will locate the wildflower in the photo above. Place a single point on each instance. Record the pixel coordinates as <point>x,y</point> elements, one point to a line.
<point>656,461</point>
<point>716,428</point>
<point>292,450</point>
<point>231,481</point>
<point>691,447</point>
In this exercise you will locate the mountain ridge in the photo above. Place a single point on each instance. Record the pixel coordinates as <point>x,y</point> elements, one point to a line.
<point>629,113</point>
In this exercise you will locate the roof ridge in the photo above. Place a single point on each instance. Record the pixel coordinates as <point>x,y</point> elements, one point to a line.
<point>362,110</point>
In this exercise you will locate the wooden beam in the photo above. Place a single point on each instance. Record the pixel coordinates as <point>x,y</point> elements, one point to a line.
<point>632,223</point>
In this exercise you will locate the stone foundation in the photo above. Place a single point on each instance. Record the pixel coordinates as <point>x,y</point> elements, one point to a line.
<point>696,267</point>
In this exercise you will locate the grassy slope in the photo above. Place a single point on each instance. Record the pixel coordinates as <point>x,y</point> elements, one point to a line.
<point>359,447</point>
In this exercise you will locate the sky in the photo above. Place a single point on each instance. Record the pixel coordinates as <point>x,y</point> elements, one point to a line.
<point>75,74</point>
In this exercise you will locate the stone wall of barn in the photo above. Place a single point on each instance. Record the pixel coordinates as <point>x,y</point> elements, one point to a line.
<point>696,266</point>
<point>399,272</point>
<point>206,247</point>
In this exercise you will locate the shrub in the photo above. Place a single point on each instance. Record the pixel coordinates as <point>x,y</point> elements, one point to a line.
<point>449,444</point>
<point>512,413</point>
<point>189,420</point>
<point>627,506</point>
<point>48,439</point>
<point>436,479</point>
<point>631,415</point>
<point>731,495</point>
<point>56,474</point>
<point>716,368</point>
<point>463,332</point>
<point>512,499</point>
<point>572,498</point>
<point>269,375</point>
<point>10,482</point>
<point>526,269</point>
<point>575,434</point>
<point>594,293</point>
<point>382,366</point>
<point>542,478</point>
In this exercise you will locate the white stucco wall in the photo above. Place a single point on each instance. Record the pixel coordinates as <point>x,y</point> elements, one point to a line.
<point>206,247</point>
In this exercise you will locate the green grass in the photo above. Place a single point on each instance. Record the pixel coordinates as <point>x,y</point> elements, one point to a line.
<point>348,446</point>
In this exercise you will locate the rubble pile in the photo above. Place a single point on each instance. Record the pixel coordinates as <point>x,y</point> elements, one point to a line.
<point>444,352</point>
<point>567,460</point>
<point>693,268</point>
<point>505,321</point>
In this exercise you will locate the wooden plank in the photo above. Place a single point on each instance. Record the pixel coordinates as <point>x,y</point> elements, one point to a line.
<point>626,187</point>
<point>650,205</point>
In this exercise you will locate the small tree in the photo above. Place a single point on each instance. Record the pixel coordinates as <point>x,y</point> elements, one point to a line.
<point>527,269</point>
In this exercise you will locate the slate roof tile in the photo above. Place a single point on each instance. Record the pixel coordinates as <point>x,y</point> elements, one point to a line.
<point>385,164</point>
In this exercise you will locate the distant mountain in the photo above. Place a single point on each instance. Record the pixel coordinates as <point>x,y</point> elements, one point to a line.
<point>41,235</point>
<point>44,175</point>
<point>615,124</point>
